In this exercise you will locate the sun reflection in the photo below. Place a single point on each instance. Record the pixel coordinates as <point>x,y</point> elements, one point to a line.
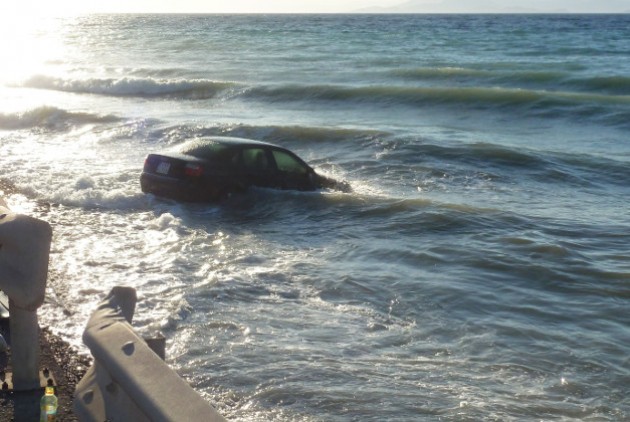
<point>28,44</point>
<point>19,204</point>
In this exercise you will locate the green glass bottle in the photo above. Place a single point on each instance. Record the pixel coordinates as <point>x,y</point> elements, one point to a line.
<point>48,406</point>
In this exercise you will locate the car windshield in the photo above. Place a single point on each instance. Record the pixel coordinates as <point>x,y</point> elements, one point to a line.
<point>288,163</point>
<point>207,150</point>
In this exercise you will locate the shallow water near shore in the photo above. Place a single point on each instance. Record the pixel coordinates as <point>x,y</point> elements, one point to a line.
<point>479,271</point>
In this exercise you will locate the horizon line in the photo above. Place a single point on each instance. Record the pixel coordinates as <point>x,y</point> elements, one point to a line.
<point>350,13</point>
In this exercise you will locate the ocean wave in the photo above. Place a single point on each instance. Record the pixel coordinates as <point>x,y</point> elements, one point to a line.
<point>611,107</point>
<point>299,134</point>
<point>543,167</point>
<point>408,150</point>
<point>545,79</point>
<point>133,87</point>
<point>419,96</point>
<point>410,95</point>
<point>446,72</point>
<point>51,118</point>
<point>498,162</point>
<point>272,133</point>
<point>485,76</point>
<point>617,85</point>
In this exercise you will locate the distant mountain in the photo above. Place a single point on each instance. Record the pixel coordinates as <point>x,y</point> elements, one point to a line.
<point>498,6</point>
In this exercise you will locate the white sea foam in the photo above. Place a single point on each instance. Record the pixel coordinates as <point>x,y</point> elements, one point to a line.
<point>131,87</point>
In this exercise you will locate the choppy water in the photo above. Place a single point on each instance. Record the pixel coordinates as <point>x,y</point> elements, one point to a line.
<point>480,270</point>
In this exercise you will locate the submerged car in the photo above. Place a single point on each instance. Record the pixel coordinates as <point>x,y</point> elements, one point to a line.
<point>212,168</point>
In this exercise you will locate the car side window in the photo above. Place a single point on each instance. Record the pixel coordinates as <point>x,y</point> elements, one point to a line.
<point>288,163</point>
<point>255,159</point>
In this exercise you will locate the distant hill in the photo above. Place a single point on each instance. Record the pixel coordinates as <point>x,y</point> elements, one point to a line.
<point>497,6</point>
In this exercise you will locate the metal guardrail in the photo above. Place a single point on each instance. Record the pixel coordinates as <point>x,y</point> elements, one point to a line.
<point>24,252</point>
<point>129,381</point>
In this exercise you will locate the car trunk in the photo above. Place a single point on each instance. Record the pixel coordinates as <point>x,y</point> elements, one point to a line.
<point>178,168</point>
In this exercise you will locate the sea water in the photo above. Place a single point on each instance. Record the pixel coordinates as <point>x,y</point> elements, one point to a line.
<point>480,270</point>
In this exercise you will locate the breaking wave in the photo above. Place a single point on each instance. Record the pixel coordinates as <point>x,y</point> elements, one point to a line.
<point>566,99</point>
<point>51,118</point>
<point>133,87</point>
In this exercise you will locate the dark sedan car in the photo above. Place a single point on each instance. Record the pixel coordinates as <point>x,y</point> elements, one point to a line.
<point>209,169</point>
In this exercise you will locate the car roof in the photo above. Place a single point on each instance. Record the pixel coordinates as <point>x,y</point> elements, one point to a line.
<point>227,141</point>
<point>213,147</point>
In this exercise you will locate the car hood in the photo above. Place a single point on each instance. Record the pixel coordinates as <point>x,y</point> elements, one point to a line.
<point>325,182</point>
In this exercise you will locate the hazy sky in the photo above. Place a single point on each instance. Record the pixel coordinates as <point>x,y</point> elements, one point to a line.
<point>307,6</point>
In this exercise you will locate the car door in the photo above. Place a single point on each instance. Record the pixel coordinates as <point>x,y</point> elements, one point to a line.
<point>258,167</point>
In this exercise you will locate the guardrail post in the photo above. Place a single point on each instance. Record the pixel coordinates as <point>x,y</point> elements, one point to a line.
<point>24,348</point>
<point>24,252</point>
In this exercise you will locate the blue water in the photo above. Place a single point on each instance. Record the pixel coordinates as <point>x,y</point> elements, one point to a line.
<point>480,270</point>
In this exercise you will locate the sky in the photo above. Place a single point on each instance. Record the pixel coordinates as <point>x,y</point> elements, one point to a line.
<point>62,7</point>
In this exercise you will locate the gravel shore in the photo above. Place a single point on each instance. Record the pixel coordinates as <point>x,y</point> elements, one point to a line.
<point>67,368</point>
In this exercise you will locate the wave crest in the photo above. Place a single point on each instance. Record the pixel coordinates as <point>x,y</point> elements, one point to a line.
<point>489,96</point>
<point>132,87</point>
<point>51,118</point>
<point>543,79</point>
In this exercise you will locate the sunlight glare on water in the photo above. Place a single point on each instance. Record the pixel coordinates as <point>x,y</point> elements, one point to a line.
<point>29,44</point>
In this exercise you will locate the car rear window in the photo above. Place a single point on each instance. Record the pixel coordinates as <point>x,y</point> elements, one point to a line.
<point>207,150</point>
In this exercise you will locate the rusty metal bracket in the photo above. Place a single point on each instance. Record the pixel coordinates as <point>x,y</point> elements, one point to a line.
<point>46,379</point>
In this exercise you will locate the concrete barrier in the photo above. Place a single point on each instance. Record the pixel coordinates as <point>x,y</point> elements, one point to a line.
<point>128,381</point>
<point>24,253</point>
